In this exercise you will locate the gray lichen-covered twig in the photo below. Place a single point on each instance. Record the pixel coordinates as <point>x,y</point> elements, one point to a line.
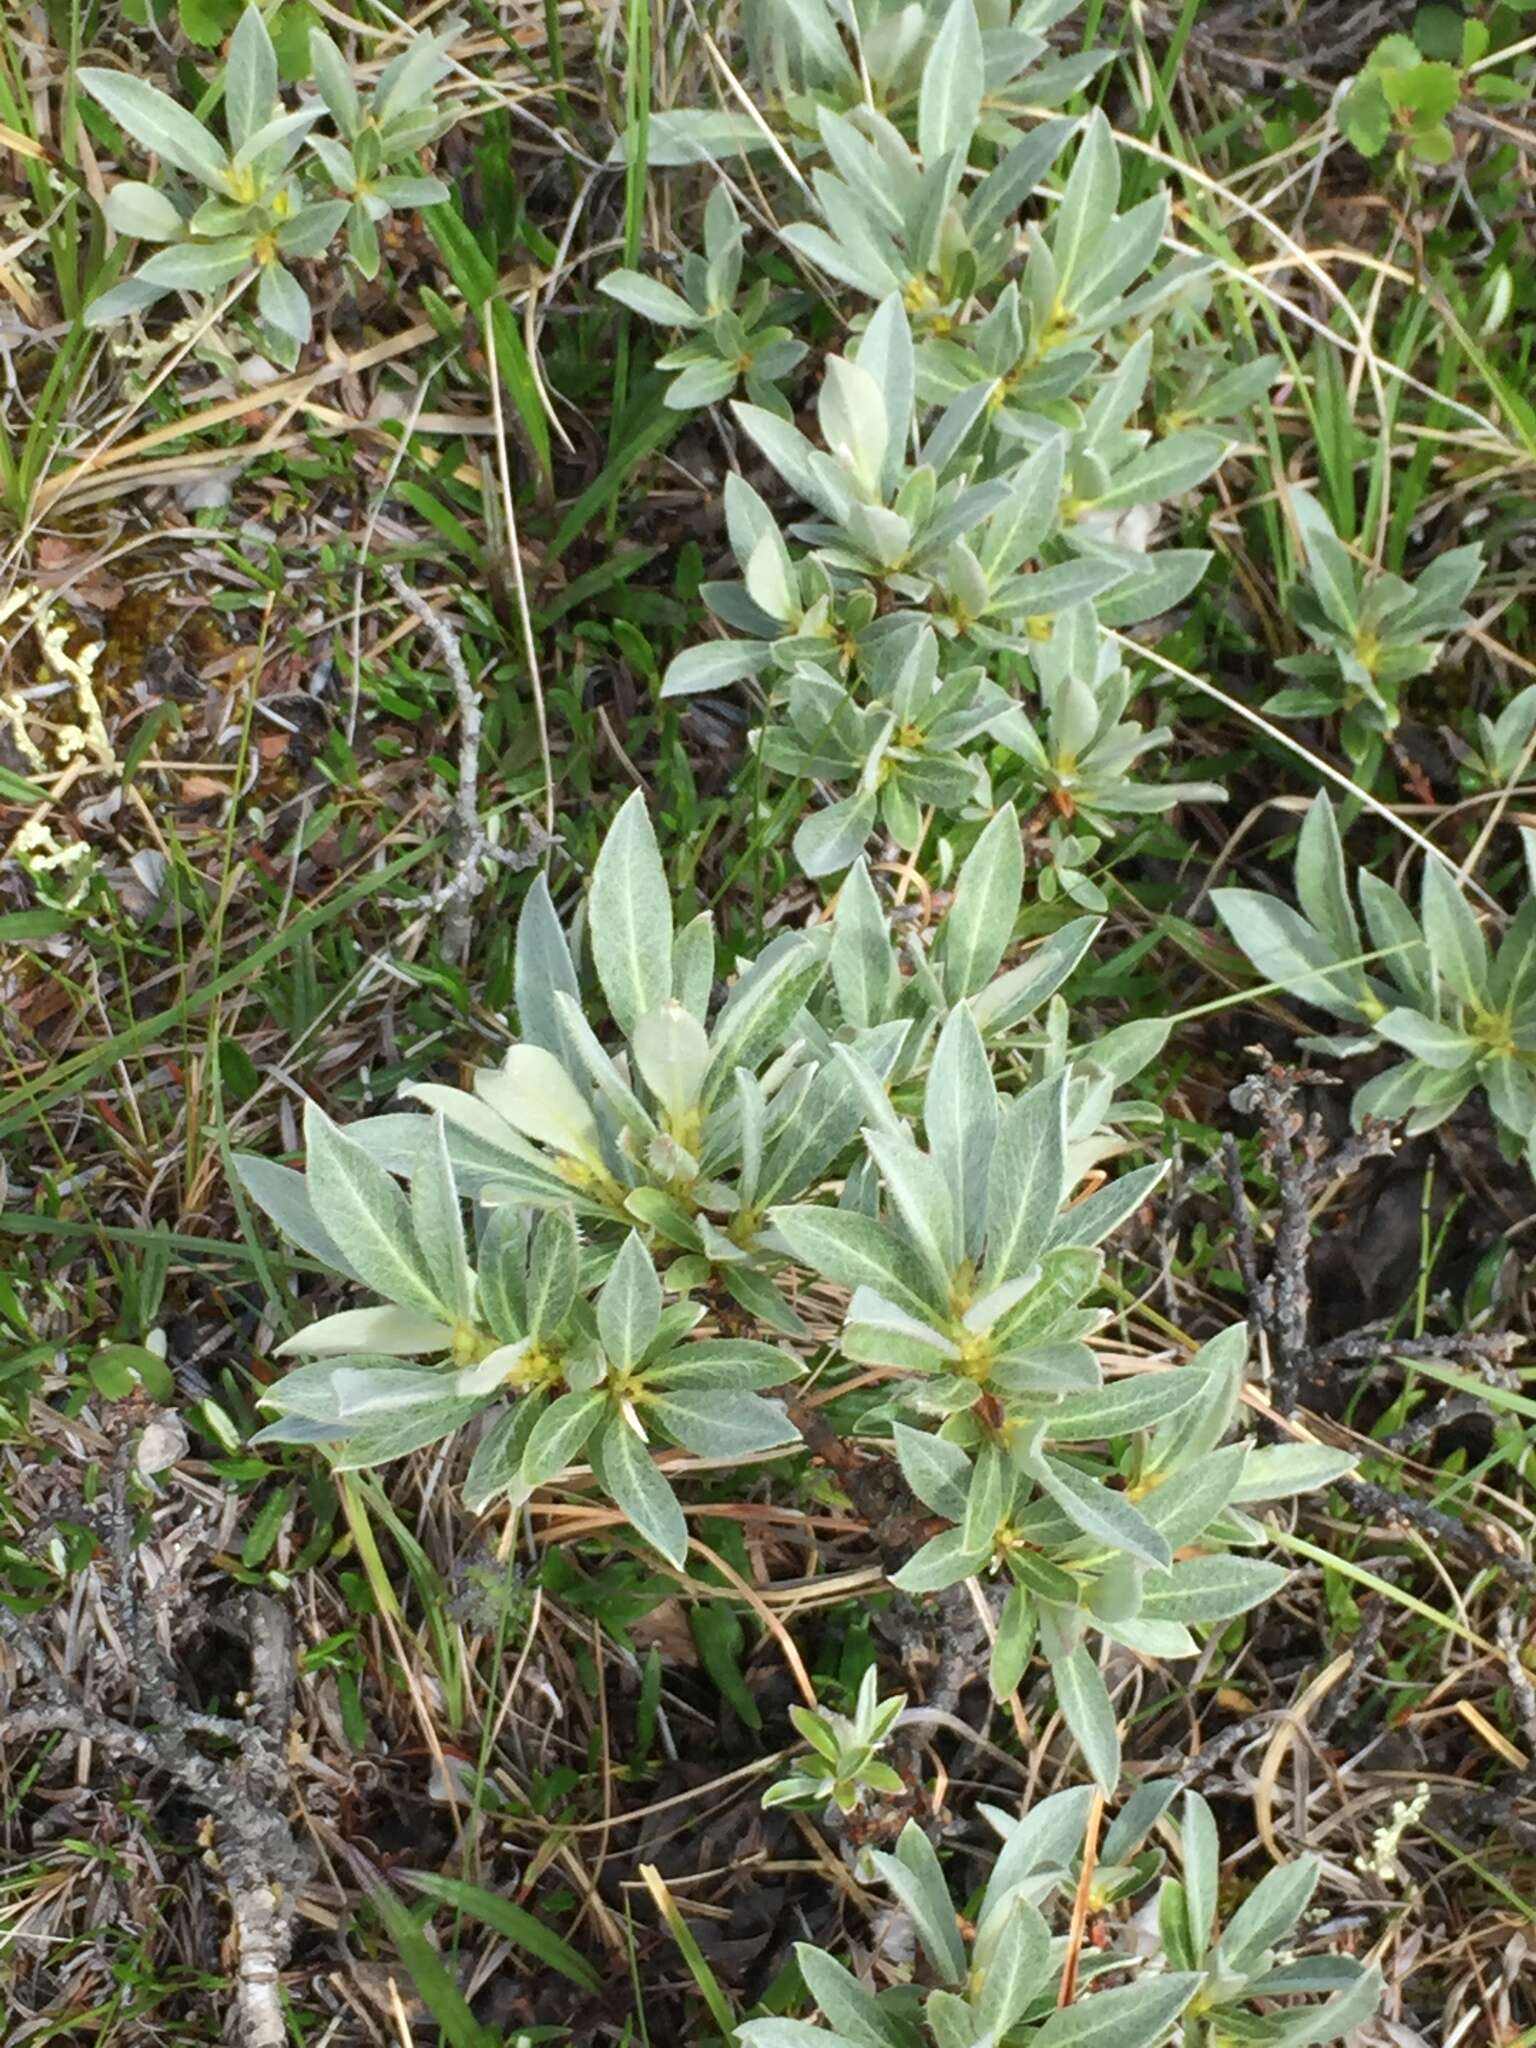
<point>471,845</point>
<point>244,1793</point>
<point>1305,1165</point>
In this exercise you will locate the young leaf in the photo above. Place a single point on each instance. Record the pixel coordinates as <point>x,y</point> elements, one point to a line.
<point>368,1215</point>
<point>915,1876</point>
<point>630,918</point>
<point>1089,1712</point>
<point>629,1474</point>
<point>953,79</point>
<point>979,924</point>
<point>1027,1179</point>
<point>156,123</point>
<point>629,1307</point>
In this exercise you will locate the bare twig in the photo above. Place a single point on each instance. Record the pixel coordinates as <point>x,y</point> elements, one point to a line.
<point>245,1795</point>
<point>472,847</point>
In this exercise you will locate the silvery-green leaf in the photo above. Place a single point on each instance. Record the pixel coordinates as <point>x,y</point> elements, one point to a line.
<point>156,123</point>
<point>1186,1503</point>
<point>696,135</point>
<point>1098,1215</point>
<point>250,77</point>
<point>700,384</point>
<point>1044,1839</point>
<point>485,1150</point>
<point>412,1429</point>
<point>787,449</point>
<point>1169,467</point>
<point>863,965</point>
<point>367,1214</point>
<point>1087,203</point>
<point>1167,1641</point>
<point>283,1195</point>
<point>1267,1916</point>
<point>392,1332</point>
<point>639,1490</point>
<point>942,1561</point>
<point>197,266</point>
<point>489,1374</point>
<point>827,840</point>
<point>543,968</point>
<point>1340,2016</point>
<point>760,1009</point>
<point>629,918</point>
<point>611,1082</point>
<point>937,1471</point>
<point>856,1251</point>
<point>272,144</point>
<point>1224,1360</point>
<point>915,1875</point>
<point>649,298</point>
<point>714,665</point>
<point>438,1222</point>
<point>139,210</point>
<point>780,2033</point>
<point>953,79</point>
<point>915,1185</point>
<point>693,965</point>
<point>407,80</point>
<point>980,921</point>
<point>1140,2015</point>
<point>1023,989</point>
<point>1286,950</point>
<point>1089,1714</point>
<point>1322,886</point>
<point>1211,1588</point>
<point>842,2000</point>
<point>350,1389</point>
<point>671,1049</point>
<point>1027,1179</point>
<point>1001,194</point>
<point>131,295</point>
<point>1201,1870</point>
<point>500,1258</point>
<point>495,1471</point>
<point>1014,1967</point>
<point>1274,1471</point>
<point>1121,1407</point>
<point>1013,1645</point>
<point>1452,933</point>
<point>1148,585</point>
<point>533,1092</point>
<point>312,229</point>
<point>629,1306</point>
<point>885,351</point>
<point>1437,1045</point>
<point>869,1311</point>
<point>554,1270</point>
<point>1329,564</point>
<point>735,1425</point>
<point>728,1363</point>
<point>851,413</point>
<point>990,1484</point>
<point>1120,258</point>
<point>1106,1516</point>
<point>1017,531</point>
<point>563,1429</point>
<point>333,75</point>
<point>824,1123</point>
<point>960,1116</point>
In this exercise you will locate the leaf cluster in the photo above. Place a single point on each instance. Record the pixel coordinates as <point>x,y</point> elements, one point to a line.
<point>277,190</point>
<point>1001,1968</point>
